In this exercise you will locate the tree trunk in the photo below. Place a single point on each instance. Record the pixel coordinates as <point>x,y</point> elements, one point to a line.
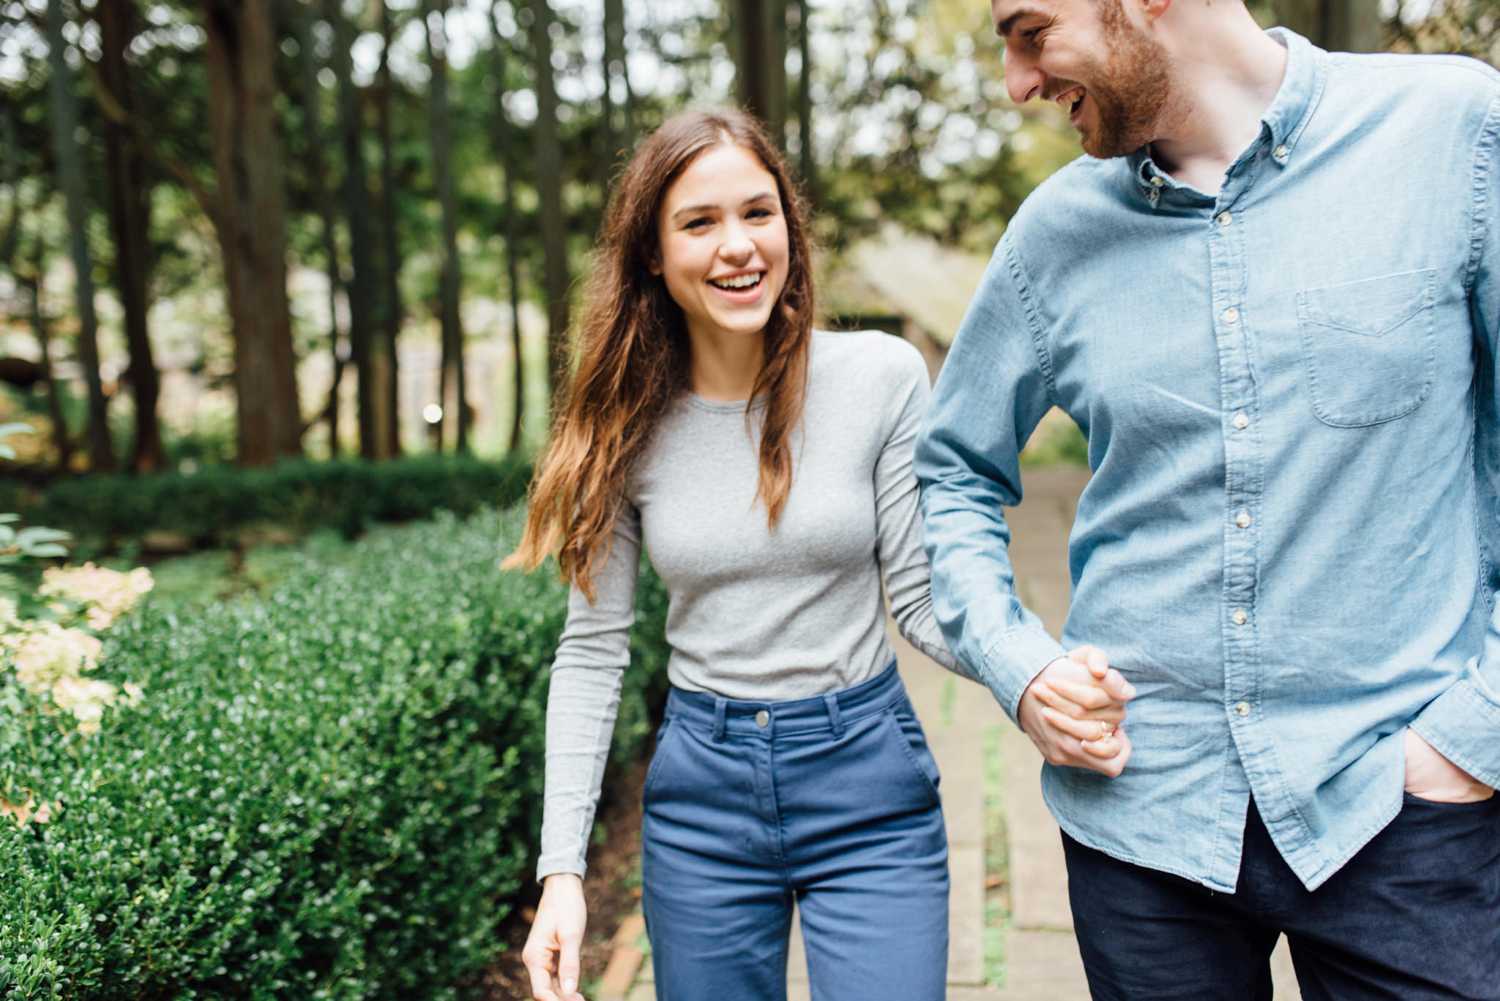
<point>549,191</point>
<point>61,440</point>
<point>619,133</point>
<point>64,107</point>
<point>317,171</point>
<point>386,359</point>
<point>614,40</point>
<point>357,211</point>
<point>759,33</point>
<point>130,225</point>
<point>251,220</point>
<point>806,153</point>
<point>1337,25</point>
<point>503,141</point>
<point>453,397</point>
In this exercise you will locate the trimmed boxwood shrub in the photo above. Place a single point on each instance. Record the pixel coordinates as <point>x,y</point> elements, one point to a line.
<point>210,506</point>
<point>332,792</point>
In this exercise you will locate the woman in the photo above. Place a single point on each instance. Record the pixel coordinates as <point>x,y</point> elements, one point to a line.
<point>767,468</point>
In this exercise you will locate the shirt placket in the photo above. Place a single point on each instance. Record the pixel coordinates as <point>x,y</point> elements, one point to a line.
<point>1243,483</point>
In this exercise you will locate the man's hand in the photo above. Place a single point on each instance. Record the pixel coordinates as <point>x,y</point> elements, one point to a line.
<point>1431,776</point>
<point>1073,712</point>
<point>551,952</point>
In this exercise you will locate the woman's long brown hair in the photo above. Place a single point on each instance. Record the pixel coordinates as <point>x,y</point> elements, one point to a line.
<point>633,354</point>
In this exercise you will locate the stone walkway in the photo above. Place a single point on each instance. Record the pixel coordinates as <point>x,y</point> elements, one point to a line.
<point>1041,954</point>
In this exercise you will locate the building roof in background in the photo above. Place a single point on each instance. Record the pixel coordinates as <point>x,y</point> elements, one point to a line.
<point>902,273</point>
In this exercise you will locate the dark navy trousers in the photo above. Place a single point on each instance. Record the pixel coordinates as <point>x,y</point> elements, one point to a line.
<point>831,802</point>
<point>1413,916</point>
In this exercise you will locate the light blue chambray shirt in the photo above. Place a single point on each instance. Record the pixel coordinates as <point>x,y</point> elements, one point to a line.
<point>1289,543</point>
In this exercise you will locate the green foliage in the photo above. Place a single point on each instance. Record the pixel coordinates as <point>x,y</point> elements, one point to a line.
<point>212,506</point>
<point>329,793</point>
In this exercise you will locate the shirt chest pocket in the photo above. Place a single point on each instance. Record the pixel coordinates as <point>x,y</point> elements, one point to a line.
<point>1369,347</point>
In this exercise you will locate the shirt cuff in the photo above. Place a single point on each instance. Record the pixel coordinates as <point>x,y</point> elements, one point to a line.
<point>1016,658</point>
<point>551,866</point>
<point>1463,725</point>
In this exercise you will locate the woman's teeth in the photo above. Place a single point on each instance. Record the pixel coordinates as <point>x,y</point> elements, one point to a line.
<point>738,282</point>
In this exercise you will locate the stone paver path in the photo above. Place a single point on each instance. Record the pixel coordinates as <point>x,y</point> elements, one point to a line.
<point>1042,961</point>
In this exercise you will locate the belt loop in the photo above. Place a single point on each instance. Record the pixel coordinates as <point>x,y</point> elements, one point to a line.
<point>834,719</point>
<point>720,704</point>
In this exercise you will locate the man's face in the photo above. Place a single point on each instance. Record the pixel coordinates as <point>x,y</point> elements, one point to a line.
<point>1110,77</point>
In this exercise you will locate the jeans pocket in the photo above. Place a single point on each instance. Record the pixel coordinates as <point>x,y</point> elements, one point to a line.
<point>907,732</point>
<point>1369,347</point>
<point>659,755</point>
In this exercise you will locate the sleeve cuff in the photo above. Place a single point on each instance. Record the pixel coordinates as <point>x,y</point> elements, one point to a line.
<point>552,866</point>
<point>1464,726</point>
<point>1015,659</point>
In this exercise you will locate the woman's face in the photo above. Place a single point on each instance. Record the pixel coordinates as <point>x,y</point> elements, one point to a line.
<point>723,243</point>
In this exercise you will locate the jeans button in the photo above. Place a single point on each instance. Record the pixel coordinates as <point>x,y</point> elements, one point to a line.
<point>762,719</point>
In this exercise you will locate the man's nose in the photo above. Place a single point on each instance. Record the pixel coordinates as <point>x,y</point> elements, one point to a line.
<point>1022,77</point>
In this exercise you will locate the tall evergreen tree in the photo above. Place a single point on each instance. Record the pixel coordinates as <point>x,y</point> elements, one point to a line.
<point>69,158</point>
<point>549,181</point>
<point>452,390</point>
<point>249,213</point>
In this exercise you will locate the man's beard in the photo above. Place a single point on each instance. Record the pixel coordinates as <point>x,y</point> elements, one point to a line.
<point>1131,87</point>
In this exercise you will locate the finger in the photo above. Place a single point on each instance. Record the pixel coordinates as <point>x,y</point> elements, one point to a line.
<point>1048,696</point>
<point>1085,695</point>
<point>1113,764</point>
<point>568,965</point>
<point>539,969</point>
<point>1083,729</point>
<point>1115,684</point>
<point>1092,658</point>
<point>1105,749</point>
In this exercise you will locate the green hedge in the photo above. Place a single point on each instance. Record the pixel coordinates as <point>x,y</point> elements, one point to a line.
<point>211,506</point>
<point>333,792</point>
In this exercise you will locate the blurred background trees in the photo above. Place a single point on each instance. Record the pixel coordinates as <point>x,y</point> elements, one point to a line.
<point>237,230</point>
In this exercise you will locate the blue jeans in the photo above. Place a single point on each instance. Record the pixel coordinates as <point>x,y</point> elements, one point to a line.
<point>1414,915</point>
<point>830,801</point>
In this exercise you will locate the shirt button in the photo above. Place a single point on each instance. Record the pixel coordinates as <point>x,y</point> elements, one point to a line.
<point>1225,219</point>
<point>1242,709</point>
<point>762,719</point>
<point>1231,315</point>
<point>1157,182</point>
<point>1242,519</point>
<point>1239,617</point>
<point>1241,422</point>
<point>1281,153</point>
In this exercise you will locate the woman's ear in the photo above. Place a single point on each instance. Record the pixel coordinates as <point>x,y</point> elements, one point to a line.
<point>654,266</point>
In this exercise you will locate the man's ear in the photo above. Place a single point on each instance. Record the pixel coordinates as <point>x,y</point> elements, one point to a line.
<point>1154,9</point>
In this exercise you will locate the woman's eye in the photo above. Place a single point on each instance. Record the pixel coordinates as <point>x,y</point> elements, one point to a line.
<point>698,223</point>
<point>760,213</point>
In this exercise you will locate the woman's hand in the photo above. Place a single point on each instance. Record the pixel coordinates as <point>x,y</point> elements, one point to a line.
<point>1073,712</point>
<point>551,952</point>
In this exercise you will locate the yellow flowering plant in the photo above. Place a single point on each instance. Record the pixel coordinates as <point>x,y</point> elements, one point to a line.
<point>49,642</point>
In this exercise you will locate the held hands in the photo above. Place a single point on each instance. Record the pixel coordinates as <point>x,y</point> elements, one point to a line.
<point>1073,712</point>
<point>551,952</point>
<point>1431,776</point>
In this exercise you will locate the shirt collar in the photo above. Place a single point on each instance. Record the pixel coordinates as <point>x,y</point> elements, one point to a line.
<point>1284,121</point>
<point>1301,87</point>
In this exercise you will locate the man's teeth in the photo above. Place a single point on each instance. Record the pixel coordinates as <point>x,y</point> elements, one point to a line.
<point>740,281</point>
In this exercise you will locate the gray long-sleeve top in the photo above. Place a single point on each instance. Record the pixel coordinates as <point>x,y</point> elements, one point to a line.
<point>753,613</point>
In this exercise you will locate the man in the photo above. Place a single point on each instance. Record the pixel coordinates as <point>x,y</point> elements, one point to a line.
<point>1270,296</point>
